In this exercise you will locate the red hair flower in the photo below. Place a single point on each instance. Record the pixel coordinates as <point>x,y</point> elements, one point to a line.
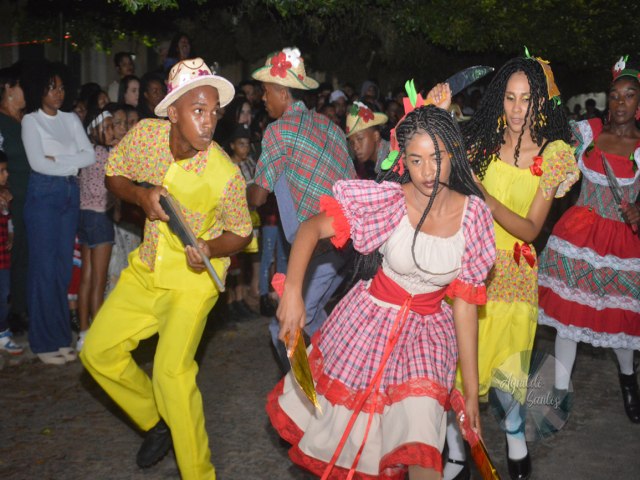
<point>279,65</point>
<point>365,114</point>
<point>535,166</point>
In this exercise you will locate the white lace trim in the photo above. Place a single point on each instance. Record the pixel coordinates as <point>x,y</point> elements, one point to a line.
<point>586,335</point>
<point>595,177</point>
<point>588,299</point>
<point>569,250</point>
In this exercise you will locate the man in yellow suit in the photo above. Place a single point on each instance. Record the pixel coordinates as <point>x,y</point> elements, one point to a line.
<point>166,289</point>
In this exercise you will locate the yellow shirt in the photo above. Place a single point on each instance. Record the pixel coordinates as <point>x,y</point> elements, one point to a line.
<point>209,187</point>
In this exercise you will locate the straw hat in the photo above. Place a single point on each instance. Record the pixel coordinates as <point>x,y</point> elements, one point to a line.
<point>189,74</point>
<point>361,117</point>
<point>285,68</point>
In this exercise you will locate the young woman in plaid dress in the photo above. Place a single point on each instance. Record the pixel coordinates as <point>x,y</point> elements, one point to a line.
<point>385,359</point>
<point>590,269</point>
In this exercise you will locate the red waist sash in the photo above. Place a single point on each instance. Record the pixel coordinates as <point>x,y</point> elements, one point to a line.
<point>386,290</point>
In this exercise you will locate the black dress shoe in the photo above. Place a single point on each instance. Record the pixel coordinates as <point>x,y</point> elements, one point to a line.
<point>519,469</point>
<point>267,308</point>
<point>155,446</point>
<point>465,473</point>
<point>630,396</point>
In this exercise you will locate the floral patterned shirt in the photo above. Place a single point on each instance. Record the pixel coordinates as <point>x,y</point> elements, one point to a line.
<point>144,156</point>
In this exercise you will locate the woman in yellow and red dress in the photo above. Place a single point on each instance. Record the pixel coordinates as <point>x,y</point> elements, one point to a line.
<point>518,147</point>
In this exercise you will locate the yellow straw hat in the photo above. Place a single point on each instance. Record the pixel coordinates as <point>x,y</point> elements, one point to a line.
<point>285,68</point>
<point>361,117</point>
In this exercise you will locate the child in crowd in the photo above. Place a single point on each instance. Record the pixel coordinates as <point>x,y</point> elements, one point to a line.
<point>6,240</point>
<point>128,218</point>
<point>95,230</point>
<point>245,265</point>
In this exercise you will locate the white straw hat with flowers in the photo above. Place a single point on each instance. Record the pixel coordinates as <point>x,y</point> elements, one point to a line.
<point>285,68</point>
<point>189,74</point>
<point>361,117</point>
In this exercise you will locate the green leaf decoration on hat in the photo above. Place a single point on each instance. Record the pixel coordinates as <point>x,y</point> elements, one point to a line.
<point>410,87</point>
<point>354,110</point>
<point>526,52</point>
<point>388,162</point>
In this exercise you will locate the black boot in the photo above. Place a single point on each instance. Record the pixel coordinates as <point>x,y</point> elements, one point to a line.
<point>519,469</point>
<point>155,446</point>
<point>630,396</point>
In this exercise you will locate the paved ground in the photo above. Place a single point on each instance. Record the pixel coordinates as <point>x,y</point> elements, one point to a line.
<point>55,423</point>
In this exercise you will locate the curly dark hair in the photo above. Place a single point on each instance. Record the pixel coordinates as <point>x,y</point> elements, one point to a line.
<point>37,80</point>
<point>484,134</point>
<point>438,124</point>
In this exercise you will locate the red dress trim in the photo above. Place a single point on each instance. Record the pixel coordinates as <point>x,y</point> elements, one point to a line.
<point>473,294</point>
<point>392,464</point>
<point>340,394</point>
<point>609,320</point>
<point>412,454</point>
<point>341,226</point>
<point>286,428</point>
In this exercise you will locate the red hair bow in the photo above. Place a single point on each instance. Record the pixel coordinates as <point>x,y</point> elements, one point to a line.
<point>523,250</point>
<point>535,166</point>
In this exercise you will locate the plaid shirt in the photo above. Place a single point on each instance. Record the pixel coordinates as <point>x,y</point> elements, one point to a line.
<point>310,150</point>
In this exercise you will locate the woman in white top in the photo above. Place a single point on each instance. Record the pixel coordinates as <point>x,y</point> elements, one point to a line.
<point>56,147</point>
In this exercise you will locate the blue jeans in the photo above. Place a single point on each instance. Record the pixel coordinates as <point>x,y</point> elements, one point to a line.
<point>5,286</point>
<point>51,219</point>
<point>325,272</point>
<point>272,246</point>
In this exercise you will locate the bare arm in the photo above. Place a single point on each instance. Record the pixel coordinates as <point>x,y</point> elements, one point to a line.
<point>525,228</point>
<point>291,311</point>
<point>465,317</point>
<point>256,195</point>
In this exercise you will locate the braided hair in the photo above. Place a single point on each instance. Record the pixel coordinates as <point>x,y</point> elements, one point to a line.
<point>481,136</point>
<point>438,124</point>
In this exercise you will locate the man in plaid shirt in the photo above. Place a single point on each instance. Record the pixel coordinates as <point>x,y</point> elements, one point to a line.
<point>303,155</point>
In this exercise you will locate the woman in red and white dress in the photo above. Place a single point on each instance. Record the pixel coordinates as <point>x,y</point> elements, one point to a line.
<point>386,357</point>
<point>589,273</point>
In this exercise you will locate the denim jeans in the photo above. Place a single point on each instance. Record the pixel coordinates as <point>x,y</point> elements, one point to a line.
<point>5,285</point>
<point>273,249</point>
<point>325,272</point>
<point>51,219</point>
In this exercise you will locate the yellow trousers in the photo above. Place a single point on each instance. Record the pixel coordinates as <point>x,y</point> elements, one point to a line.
<point>135,310</point>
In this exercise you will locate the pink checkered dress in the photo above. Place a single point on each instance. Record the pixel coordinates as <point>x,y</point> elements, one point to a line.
<point>409,414</point>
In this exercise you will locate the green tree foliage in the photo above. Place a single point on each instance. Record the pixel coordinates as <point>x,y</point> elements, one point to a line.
<point>390,40</point>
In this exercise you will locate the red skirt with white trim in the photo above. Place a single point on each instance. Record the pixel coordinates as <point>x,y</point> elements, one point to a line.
<point>589,280</point>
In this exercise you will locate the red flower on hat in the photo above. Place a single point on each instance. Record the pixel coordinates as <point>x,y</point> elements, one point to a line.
<point>279,65</point>
<point>202,72</point>
<point>535,166</point>
<point>365,114</point>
